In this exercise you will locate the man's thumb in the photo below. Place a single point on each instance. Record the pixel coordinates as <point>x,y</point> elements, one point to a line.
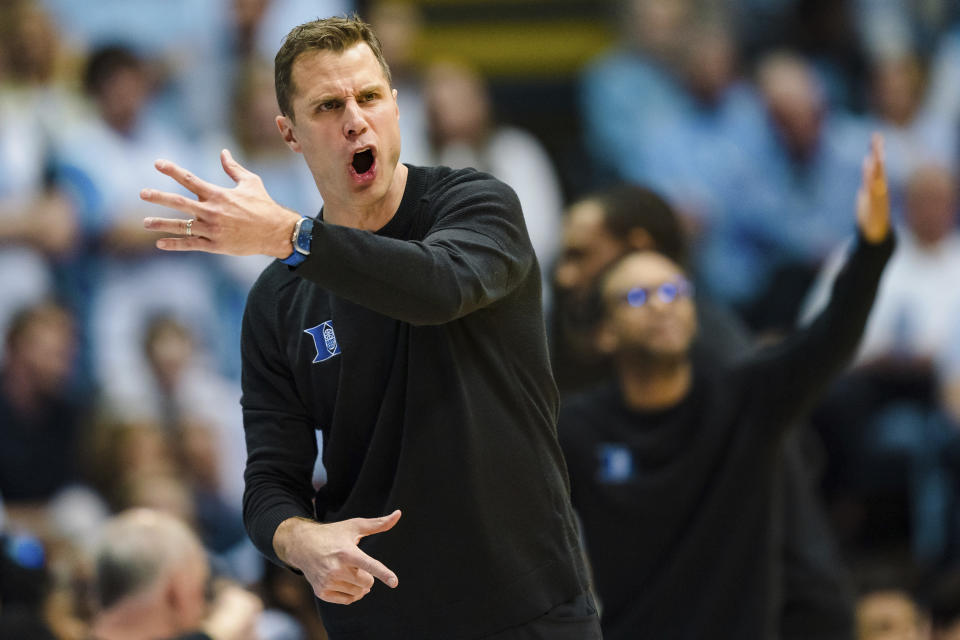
<point>370,526</point>
<point>234,169</point>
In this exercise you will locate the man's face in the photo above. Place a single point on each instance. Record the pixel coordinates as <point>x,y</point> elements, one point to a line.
<point>889,615</point>
<point>47,350</point>
<point>649,309</point>
<point>346,124</point>
<point>588,247</point>
<point>931,204</point>
<point>121,98</point>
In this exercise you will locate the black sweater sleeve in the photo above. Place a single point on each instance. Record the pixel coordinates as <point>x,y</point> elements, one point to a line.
<point>791,375</point>
<point>476,252</point>
<point>281,442</point>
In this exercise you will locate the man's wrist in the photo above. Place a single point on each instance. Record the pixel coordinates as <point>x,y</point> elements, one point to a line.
<point>285,537</point>
<point>283,241</point>
<point>301,240</point>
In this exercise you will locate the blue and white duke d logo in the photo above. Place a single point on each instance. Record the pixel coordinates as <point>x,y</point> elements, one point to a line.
<point>615,463</point>
<point>325,340</point>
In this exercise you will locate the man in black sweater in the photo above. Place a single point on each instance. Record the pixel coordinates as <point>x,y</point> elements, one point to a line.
<point>675,464</point>
<point>410,332</point>
<point>817,597</point>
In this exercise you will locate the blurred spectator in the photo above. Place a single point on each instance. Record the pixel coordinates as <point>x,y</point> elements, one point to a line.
<point>195,46</point>
<point>601,229</point>
<point>690,147</point>
<point>628,93</point>
<point>896,27</point>
<point>37,223</point>
<point>41,419</point>
<point>134,280</point>
<point>791,207</point>
<point>825,33</point>
<point>890,615</point>
<point>914,138</point>
<point>597,231</point>
<point>142,465</point>
<point>675,441</point>
<point>914,316</point>
<point>766,182</point>
<point>943,93</point>
<point>151,582</point>
<point>254,140</point>
<point>188,457</point>
<point>464,134</point>
<point>24,588</point>
<point>698,153</point>
<point>398,24</point>
<point>694,445</point>
<point>121,450</point>
<point>189,400</point>
<point>887,609</point>
<point>902,361</point>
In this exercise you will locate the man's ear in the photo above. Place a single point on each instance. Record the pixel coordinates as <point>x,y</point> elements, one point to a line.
<point>395,103</point>
<point>285,125</point>
<point>172,596</point>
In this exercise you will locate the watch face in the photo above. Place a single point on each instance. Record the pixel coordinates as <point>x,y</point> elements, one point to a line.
<point>304,235</point>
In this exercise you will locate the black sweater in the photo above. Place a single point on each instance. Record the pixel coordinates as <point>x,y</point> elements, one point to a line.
<point>677,504</point>
<point>434,395</point>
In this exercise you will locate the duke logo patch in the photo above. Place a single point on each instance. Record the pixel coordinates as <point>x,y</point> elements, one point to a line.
<point>325,340</point>
<point>615,464</point>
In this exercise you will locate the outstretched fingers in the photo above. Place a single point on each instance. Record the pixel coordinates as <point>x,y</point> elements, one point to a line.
<point>186,244</point>
<point>176,201</point>
<point>375,568</point>
<point>187,180</point>
<point>234,169</point>
<point>176,226</point>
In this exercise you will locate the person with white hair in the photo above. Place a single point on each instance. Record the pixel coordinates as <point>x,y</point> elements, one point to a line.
<point>151,578</point>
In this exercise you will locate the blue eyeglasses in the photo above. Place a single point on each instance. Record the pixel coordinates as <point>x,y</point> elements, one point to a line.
<point>666,292</point>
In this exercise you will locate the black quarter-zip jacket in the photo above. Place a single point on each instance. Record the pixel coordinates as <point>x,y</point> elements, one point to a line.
<point>419,351</point>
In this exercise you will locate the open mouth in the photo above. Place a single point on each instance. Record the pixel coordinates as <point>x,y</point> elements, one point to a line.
<point>362,161</point>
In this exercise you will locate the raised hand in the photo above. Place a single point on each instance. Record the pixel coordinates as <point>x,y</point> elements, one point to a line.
<point>873,202</point>
<point>240,221</point>
<point>328,555</point>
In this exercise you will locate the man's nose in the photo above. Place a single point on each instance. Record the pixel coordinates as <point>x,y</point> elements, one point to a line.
<point>354,124</point>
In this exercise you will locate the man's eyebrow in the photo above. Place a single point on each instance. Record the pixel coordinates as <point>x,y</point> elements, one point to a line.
<point>329,97</point>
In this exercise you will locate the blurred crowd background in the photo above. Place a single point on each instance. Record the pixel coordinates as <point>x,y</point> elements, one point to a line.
<point>119,383</point>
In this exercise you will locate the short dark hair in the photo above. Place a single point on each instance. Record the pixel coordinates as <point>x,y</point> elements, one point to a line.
<point>628,207</point>
<point>105,62</point>
<point>329,34</point>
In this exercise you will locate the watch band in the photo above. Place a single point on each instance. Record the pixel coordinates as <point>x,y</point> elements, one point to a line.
<point>301,240</point>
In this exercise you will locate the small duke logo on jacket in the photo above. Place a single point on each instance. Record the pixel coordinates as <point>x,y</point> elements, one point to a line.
<point>615,463</point>
<point>325,340</point>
